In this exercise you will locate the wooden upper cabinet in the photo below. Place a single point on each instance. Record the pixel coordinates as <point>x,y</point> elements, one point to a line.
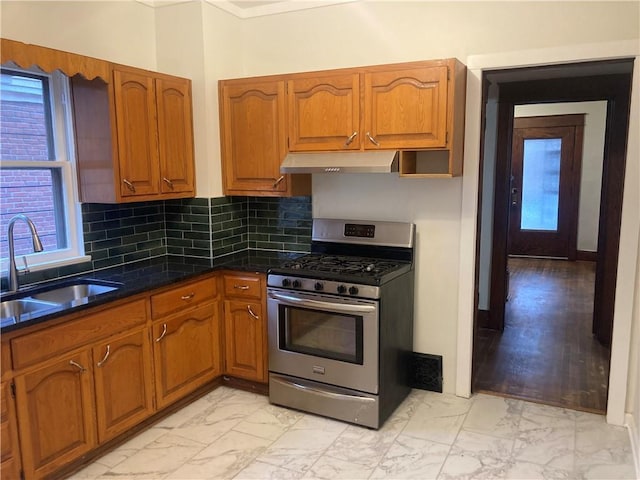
<point>135,108</point>
<point>175,135</point>
<point>417,108</point>
<point>406,108</point>
<point>134,137</point>
<point>254,136</point>
<point>324,112</point>
<point>253,139</point>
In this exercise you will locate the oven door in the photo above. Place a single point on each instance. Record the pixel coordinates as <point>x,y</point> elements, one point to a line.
<point>325,338</point>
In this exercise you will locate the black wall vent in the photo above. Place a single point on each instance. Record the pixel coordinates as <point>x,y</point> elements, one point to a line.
<point>426,371</point>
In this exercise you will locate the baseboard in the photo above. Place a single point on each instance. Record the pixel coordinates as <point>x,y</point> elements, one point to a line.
<point>632,427</point>
<point>586,256</point>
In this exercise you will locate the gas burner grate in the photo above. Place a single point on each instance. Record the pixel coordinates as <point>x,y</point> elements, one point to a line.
<point>342,265</point>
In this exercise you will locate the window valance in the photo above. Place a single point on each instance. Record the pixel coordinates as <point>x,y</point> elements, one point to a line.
<point>48,59</point>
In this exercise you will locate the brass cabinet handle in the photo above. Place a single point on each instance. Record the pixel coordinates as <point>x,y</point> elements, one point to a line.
<point>372,140</point>
<point>251,313</point>
<point>188,297</point>
<point>76,364</point>
<point>129,185</point>
<point>168,182</point>
<point>164,332</point>
<point>106,355</point>
<point>241,287</point>
<point>350,139</point>
<point>277,182</point>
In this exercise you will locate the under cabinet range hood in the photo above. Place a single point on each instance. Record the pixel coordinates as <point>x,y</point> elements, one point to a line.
<point>380,161</point>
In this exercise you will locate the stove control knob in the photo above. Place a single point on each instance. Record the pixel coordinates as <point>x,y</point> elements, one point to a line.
<point>297,284</point>
<point>342,289</point>
<point>318,286</point>
<point>353,290</point>
<point>286,282</point>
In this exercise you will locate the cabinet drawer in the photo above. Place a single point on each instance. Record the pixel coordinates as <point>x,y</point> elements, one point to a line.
<point>246,286</point>
<point>183,296</point>
<point>36,347</point>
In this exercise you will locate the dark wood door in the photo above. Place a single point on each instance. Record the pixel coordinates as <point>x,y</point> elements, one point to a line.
<point>545,186</point>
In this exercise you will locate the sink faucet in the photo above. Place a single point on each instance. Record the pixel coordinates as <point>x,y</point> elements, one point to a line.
<point>14,284</point>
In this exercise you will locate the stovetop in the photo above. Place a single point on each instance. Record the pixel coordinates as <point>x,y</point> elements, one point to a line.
<point>346,268</point>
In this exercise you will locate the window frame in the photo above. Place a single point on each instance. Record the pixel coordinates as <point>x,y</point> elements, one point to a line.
<point>68,210</point>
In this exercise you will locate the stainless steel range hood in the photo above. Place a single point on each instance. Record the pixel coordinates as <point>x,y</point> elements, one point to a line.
<point>380,161</point>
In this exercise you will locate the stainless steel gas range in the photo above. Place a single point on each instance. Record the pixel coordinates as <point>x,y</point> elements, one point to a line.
<point>340,322</point>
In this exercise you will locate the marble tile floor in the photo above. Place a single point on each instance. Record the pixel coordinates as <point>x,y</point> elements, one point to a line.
<point>233,434</point>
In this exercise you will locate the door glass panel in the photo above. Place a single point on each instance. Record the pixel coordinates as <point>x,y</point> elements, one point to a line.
<point>321,334</point>
<point>540,184</point>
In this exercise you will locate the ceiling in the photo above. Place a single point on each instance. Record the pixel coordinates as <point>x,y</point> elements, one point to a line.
<point>254,8</point>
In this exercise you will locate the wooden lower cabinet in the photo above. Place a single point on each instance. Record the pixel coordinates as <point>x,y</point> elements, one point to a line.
<point>56,413</point>
<point>187,353</point>
<point>9,453</point>
<point>123,377</point>
<point>245,339</point>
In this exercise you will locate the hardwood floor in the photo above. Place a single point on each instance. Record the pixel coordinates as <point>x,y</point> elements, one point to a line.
<point>547,352</point>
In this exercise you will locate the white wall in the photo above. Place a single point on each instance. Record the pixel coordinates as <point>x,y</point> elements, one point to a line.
<point>592,155</point>
<point>633,401</point>
<point>122,32</point>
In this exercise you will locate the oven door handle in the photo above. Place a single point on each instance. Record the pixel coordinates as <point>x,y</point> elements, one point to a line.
<point>333,307</point>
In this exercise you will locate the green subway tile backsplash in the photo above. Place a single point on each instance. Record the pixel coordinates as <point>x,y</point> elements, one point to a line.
<point>200,228</point>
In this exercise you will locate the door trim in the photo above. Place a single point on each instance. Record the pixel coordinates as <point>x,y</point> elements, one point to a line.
<point>467,292</point>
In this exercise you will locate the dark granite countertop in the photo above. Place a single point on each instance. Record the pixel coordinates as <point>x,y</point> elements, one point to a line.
<point>142,276</point>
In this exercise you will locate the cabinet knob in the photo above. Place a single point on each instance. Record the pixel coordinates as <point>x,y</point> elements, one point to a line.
<point>251,313</point>
<point>188,297</point>
<point>129,185</point>
<point>106,355</point>
<point>168,182</point>
<point>241,287</point>
<point>372,140</point>
<point>277,182</point>
<point>164,332</point>
<point>349,140</point>
<point>76,364</point>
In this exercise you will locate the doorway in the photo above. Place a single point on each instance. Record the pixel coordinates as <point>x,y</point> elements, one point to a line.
<point>502,91</point>
<point>546,165</point>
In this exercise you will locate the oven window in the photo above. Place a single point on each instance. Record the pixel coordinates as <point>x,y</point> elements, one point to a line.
<point>323,334</point>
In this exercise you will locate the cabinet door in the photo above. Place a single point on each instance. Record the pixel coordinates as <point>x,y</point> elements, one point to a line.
<point>124,383</point>
<point>406,108</point>
<point>56,415</point>
<point>245,340</point>
<point>253,137</point>
<point>324,113</point>
<point>9,455</point>
<point>137,133</point>
<point>175,136</point>
<point>186,352</point>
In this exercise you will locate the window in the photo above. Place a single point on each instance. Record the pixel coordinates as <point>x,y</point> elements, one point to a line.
<point>37,171</point>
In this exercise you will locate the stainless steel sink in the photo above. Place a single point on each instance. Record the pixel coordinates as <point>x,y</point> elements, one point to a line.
<point>61,295</point>
<point>74,293</point>
<point>23,306</point>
